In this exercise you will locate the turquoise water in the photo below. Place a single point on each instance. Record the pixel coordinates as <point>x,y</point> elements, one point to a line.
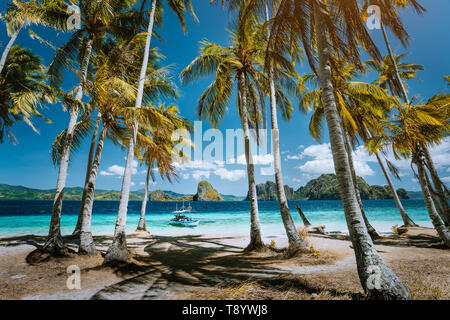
<point>218,218</point>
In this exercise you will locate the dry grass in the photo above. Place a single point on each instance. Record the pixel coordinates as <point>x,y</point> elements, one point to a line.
<point>284,287</point>
<point>428,280</point>
<point>303,232</point>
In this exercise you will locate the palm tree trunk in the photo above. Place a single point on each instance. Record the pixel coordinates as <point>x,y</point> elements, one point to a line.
<point>406,99</point>
<point>295,239</point>
<point>118,251</point>
<point>256,242</point>
<point>8,49</point>
<point>86,241</point>
<point>435,201</point>
<point>441,229</point>
<point>55,243</point>
<point>445,209</point>
<point>394,64</point>
<point>377,279</point>
<point>141,225</point>
<point>407,221</point>
<point>303,217</point>
<point>76,231</point>
<point>372,232</point>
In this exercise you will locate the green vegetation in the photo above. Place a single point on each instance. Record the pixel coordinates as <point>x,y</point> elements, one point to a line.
<point>8,192</point>
<point>205,192</point>
<point>326,187</point>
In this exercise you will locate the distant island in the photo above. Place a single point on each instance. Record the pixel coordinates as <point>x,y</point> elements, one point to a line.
<point>326,187</point>
<point>322,188</point>
<point>205,192</point>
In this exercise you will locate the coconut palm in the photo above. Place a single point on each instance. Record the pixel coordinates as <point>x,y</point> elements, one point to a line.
<point>398,88</point>
<point>241,62</point>
<point>23,88</point>
<point>314,23</point>
<point>388,78</point>
<point>159,152</point>
<point>20,14</point>
<point>255,8</point>
<point>270,63</point>
<point>99,18</point>
<point>414,128</point>
<point>118,251</point>
<point>362,107</point>
<point>388,20</point>
<point>387,73</point>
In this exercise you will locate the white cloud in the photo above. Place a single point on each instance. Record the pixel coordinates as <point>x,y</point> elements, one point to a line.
<point>322,160</point>
<point>257,159</point>
<point>267,171</point>
<point>230,175</point>
<point>117,171</point>
<point>198,164</point>
<point>295,157</point>
<point>200,174</point>
<point>446,179</point>
<point>185,175</point>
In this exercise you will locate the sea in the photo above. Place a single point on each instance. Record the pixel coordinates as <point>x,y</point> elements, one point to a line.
<point>226,218</point>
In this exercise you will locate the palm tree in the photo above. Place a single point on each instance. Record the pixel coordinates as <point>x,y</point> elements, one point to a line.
<point>159,151</point>
<point>242,62</point>
<point>23,88</point>
<point>118,251</point>
<point>281,195</point>
<point>20,14</point>
<point>112,95</point>
<point>362,107</point>
<point>413,129</point>
<point>398,88</point>
<point>388,72</point>
<point>272,59</point>
<point>99,18</point>
<point>301,20</point>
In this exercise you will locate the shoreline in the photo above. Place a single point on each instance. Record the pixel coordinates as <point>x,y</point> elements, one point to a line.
<point>210,267</point>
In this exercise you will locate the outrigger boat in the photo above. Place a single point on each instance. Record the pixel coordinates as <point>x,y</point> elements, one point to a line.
<point>182,220</point>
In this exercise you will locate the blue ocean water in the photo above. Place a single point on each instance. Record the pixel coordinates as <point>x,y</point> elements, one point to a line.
<point>218,218</point>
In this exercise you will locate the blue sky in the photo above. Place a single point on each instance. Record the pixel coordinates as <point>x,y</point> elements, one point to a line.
<point>29,163</point>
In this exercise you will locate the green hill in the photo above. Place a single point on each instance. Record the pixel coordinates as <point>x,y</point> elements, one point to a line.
<point>205,192</point>
<point>325,187</point>
<point>8,192</point>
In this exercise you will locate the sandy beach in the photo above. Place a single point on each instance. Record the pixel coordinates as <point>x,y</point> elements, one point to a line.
<point>216,267</point>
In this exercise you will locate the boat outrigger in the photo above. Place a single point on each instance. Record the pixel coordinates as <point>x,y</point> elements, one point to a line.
<point>181,220</point>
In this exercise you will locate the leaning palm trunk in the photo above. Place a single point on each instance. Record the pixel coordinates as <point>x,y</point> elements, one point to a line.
<point>118,251</point>
<point>372,232</point>
<point>435,201</point>
<point>377,279</point>
<point>441,229</point>
<point>407,221</point>
<point>77,230</point>
<point>255,228</point>
<point>141,225</point>
<point>445,209</point>
<point>394,64</point>
<point>436,181</point>
<point>55,243</point>
<point>8,49</point>
<point>295,239</point>
<point>86,241</point>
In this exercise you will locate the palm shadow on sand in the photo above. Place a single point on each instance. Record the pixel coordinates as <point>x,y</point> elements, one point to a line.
<point>188,261</point>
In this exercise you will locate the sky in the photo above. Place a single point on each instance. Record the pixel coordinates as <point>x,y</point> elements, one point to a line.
<point>28,163</point>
